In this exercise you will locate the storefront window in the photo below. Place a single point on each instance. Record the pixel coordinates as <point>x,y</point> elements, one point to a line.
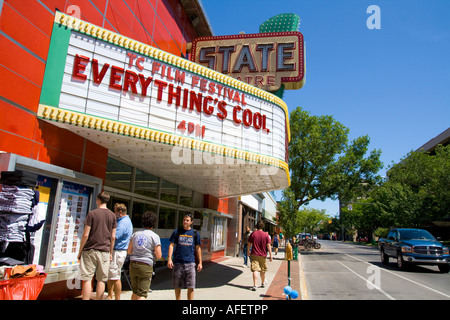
<point>147,192</point>
<point>47,189</point>
<point>113,200</point>
<point>185,197</point>
<point>181,214</point>
<point>166,218</point>
<point>169,191</point>
<point>218,236</point>
<point>146,184</point>
<point>199,221</point>
<point>118,175</point>
<point>138,210</point>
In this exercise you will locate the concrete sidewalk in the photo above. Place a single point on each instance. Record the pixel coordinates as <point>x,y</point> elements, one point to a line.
<point>227,279</point>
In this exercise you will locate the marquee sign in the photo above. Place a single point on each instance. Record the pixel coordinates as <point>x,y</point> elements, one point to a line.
<point>99,80</point>
<point>263,60</point>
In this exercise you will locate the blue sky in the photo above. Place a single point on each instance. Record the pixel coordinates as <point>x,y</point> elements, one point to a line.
<point>392,84</point>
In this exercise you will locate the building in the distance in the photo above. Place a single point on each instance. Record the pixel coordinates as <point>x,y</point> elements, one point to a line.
<point>441,139</point>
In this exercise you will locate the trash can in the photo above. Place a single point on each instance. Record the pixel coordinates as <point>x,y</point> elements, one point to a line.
<point>295,251</point>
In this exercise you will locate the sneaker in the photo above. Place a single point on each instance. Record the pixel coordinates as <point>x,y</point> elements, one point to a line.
<point>253,288</point>
<point>263,285</point>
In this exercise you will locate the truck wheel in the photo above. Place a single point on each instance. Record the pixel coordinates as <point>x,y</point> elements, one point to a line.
<point>401,264</point>
<point>384,257</point>
<point>444,268</point>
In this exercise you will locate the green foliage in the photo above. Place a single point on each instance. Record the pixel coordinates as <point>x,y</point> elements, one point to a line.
<point>288,217</point>
<point>381,232</point>
<point>417,191</point>
<point>323,163</point>
<point>333,226</point>
<point>294,221</point>
<point>311,219</point>
<point>364,216</point>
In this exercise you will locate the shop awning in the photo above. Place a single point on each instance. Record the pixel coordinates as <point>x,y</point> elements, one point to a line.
<point>229,216</point>
<point>269,221</point>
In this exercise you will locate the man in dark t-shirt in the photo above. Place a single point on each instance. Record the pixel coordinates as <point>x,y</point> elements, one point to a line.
<point>184,245</point>
<point>96,246</point>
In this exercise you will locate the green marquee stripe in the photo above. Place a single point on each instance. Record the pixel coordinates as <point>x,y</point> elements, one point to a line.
<point>281,23</point>
<point>54,69</point>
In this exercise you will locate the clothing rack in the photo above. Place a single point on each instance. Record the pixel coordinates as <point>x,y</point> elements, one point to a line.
<point>18,209</point>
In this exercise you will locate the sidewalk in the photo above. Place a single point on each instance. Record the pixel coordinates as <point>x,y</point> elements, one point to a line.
<point>227,279</point>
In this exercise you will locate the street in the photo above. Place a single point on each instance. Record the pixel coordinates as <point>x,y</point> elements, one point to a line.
<point>353,272</point>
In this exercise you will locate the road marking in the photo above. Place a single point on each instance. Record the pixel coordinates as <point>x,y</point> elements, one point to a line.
<point>395,274</point>
<point>303,286</point>
<point>374,286</point>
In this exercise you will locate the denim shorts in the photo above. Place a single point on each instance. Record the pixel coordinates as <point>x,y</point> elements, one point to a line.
<point>183,276</point>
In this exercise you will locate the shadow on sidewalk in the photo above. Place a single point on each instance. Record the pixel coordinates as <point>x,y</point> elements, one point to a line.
<point>212,275</point>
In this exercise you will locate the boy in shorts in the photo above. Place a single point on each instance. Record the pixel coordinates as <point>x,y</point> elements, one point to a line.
<point>96,247</point>
<point>144,249</point>
<point>185,247</point>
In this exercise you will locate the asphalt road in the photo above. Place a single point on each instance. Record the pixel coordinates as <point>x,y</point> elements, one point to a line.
<point>351,272</point>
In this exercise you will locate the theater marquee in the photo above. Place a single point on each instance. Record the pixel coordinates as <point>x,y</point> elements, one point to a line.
<point>263,60</point>
<point>159,111</point>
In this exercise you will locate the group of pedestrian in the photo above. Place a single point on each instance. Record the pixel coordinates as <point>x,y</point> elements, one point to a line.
<point>108,239</point>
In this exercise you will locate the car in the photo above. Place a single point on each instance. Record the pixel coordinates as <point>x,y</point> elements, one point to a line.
<point>414,246</point>
<point>301,236</point>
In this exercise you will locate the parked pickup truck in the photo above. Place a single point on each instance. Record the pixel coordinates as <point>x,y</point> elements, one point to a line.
<point>414,246</point>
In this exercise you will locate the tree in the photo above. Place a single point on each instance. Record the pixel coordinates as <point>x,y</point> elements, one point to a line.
<point>417,191</point>
<point>288,217</point>
<point>363,216</point>
<point>294,221</point>
<point>310,219</point>
<point>324,164</point>
<point>332,227</point>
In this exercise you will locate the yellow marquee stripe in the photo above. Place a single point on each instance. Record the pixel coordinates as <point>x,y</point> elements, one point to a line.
<point>120,128</point>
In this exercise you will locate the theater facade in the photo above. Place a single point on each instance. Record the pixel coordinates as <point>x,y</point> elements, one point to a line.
<point>101,96</point>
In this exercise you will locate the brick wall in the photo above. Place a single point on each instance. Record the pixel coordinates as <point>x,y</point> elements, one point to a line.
<point>25,32</point>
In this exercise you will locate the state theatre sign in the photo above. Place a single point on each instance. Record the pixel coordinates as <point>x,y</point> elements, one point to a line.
<point>264,60</point>
<point>169,116</point>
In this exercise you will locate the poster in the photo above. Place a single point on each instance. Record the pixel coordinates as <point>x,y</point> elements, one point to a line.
<point>73,209</point>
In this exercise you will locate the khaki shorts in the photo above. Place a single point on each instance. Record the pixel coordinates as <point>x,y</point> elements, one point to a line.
<point>141,278</point>
<point>258,263</point>
<point>115,267</point>
<point>94,262</point>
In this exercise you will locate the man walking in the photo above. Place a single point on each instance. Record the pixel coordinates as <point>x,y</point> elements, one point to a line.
<point>123,235</point>
<point>187,247</point>
<point>260,245</point>
<point>244,245</point>
<point>96,246</point>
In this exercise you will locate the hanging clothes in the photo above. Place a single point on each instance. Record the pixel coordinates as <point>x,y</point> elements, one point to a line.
<point>19,215</point>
